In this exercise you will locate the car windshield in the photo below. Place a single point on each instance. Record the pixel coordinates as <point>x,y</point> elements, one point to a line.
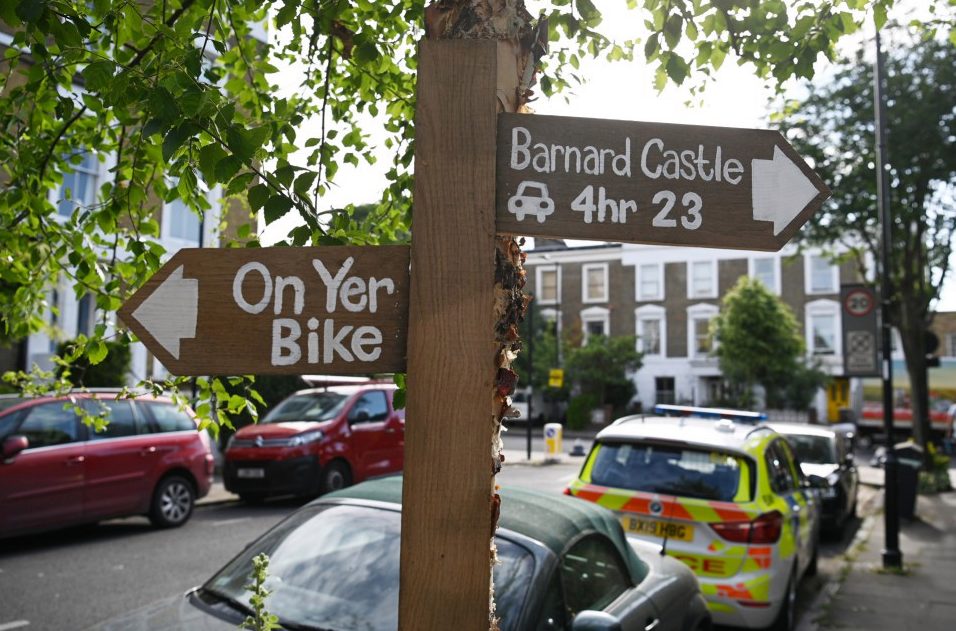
<point>672,470</point>
<point>316,406</point>
<point>813,449</point>
<point>335,567</point>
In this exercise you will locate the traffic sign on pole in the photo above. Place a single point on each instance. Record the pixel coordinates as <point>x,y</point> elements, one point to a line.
<point>333,309</point>
<point>596,179</point>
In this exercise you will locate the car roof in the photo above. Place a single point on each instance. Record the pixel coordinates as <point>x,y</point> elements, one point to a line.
<point>553,520</point>
<point>15,402</point>
<point>723,434</point>
<point>349,389</point>
<point>802,429</point>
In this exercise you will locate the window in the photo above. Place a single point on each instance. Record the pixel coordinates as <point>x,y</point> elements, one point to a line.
<point>169,418</point>
<point>182,222</point>
<point>122,420</point>
<point>699,341</point>
<point>85,315</point>
<point>664,390</point>
<point>594,286</point>
<point>553,615</point>
<point>650,281</point>
<point>79,183</point>
<point>823,327</point>
<point>592,574</point>
<point>649,336</point>
<point>951,344</point>
<point>548,286</point>
<point>765,269</point>
<point>822,276</point>
<point>701,332</point>
<point>49,424</point>
<point>702,281</point>
<point>370,407</point>
<point>778,467</point>
<point>595,321</point>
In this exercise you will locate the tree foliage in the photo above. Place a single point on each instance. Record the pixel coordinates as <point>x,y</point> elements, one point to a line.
<point>181,95</point>
<point>834,127</point>
<point>601,368</point>
<point>759,344</point>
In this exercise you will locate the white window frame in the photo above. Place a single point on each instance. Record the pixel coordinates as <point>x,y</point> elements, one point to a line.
<point>206,224</point>
<point>595,314</point>
<point>539,272</point>
<point>104,162</point>
<point>642,315</point>
<point>585,269</point>
<point>808,276</point>
<point>694,313</point>
<point>823,308</point>
<point>711,292</point>
<point>638,275</point>
<point>751,271</point>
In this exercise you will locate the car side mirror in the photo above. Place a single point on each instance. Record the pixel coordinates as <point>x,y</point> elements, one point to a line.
<point>12,446</point>
<point>595,621</point>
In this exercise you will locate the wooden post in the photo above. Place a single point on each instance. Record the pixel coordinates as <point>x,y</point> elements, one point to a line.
<point>446,514</point>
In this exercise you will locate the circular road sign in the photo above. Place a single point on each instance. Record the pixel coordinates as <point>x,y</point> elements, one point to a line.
<point>859,302</point>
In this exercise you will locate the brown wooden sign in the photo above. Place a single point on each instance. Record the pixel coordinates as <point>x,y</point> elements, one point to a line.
<point>583,178</point>
<point>342,310</point>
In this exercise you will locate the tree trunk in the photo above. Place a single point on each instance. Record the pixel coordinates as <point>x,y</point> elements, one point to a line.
<point>912,329</point>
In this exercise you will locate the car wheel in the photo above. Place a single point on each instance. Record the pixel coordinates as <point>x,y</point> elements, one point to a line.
<point>786,617</point>
<point>335,476</point>
<point>173,502</point>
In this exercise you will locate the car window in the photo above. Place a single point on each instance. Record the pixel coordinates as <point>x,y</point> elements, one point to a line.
<point>688,472</point>
<point>120,418</point>
<point>778,466</point>
<point>813,449</point>
<point>49,424</point>
<point>592,574</point>
<point>9,422</point>
<point>373,404</point>
<point>553,615</point>
<point>167,417</point>
<point>335,566</point>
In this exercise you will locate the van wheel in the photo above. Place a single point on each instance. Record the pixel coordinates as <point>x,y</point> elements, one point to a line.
<point>786,617</point>
<point>173,502</point>
<point>335,476</point>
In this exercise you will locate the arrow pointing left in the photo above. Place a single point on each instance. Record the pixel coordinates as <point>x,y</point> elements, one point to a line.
<point>169,313</point>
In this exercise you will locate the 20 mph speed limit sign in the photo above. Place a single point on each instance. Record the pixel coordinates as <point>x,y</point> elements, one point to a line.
<point>860,331</point>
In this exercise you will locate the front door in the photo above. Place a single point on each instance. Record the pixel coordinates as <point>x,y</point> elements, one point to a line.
<point>375,436</point>
<point>42,486</point>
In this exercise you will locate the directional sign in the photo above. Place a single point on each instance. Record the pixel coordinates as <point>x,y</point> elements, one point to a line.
<point>606,180</point>
<point>276,310</point>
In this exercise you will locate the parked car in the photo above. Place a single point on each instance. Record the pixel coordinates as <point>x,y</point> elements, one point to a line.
<point>56,471</point>
<point>826,453</point>
<point>724,495</point>
<point>333,565</point>
<point>318,440</point>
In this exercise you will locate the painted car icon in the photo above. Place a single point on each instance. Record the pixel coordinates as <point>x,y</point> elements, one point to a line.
<point>531,199</point>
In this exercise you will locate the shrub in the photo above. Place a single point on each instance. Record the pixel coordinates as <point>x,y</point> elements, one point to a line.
<point>579,410</point>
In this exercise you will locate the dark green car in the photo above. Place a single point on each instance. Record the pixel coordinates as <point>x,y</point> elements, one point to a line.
<point>565,564</point>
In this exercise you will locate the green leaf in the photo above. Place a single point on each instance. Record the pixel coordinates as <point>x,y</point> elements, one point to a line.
<point>276,207</point>
<point>96,351</point>
<point>209,158</point>
<point>175,138</point>
<point>30,11</point>
<point>97,76</point>
<point>651,47</point>
<point>227,167</point>
<point>258,195</point>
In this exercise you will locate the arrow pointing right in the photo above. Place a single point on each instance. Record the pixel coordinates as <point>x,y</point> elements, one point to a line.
<point>780,190</point>
<point>169,313</point>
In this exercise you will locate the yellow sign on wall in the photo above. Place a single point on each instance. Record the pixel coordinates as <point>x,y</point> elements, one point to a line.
<point>556,377</point>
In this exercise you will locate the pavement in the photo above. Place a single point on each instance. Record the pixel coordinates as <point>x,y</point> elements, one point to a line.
<point>864,596</point>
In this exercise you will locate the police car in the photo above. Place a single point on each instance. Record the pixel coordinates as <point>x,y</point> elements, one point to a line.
<point>722,493</point>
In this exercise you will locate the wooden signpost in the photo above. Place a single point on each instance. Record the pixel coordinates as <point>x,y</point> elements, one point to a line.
<point>606,180</point>
<point>339,310</point>
<point>347,309</point>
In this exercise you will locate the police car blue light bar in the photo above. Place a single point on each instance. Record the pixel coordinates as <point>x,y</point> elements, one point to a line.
<point>741,416</point>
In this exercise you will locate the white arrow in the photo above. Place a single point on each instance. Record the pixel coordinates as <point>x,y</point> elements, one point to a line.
<point>780,190</point>
<point>169,313</point>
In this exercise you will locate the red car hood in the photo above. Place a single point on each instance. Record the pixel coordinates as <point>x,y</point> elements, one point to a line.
<point>278,430</point>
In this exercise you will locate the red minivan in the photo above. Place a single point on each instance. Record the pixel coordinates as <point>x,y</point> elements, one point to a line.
<point>55,471</point>
<point>318,440</point>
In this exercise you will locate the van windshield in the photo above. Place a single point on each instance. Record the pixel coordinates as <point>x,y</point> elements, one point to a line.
<point>316,406</point>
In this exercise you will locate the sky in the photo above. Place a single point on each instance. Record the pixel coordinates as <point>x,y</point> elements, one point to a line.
<point>623,91</point>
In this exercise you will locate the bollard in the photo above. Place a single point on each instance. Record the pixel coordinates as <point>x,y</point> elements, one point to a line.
<point>552,439</point>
